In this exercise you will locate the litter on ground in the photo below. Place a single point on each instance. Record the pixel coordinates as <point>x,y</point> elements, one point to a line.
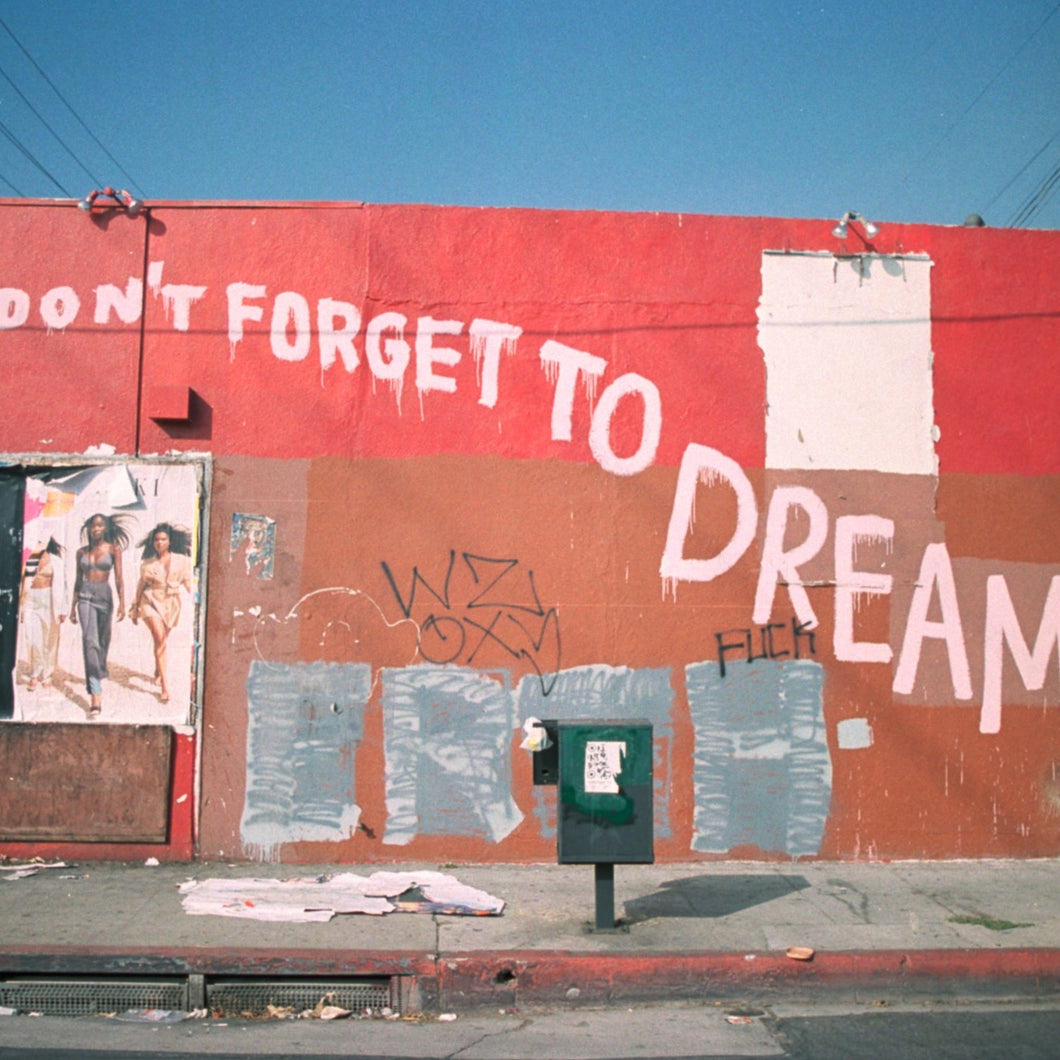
<point>20,870</point>
<point>315,899</point>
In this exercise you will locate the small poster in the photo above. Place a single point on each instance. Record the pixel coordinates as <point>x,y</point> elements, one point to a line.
<point>254,541</point>
<point>603,763</point>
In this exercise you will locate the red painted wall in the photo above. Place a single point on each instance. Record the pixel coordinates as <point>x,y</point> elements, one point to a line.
<point>377,486</point>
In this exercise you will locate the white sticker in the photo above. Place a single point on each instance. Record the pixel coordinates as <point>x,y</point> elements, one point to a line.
<point>603,762</point>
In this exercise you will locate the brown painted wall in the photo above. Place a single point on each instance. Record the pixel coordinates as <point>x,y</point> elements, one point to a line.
<point>588,546</point>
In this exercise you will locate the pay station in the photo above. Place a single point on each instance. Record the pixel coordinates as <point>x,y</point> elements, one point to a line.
<point>603,773</point>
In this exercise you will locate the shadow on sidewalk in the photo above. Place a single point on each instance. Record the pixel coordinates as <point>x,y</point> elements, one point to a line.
<point>712,896</point>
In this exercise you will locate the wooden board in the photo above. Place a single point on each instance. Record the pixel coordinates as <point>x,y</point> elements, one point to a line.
<point>94,783</point>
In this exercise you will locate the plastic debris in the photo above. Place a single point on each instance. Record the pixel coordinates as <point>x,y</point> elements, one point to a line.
<point>333,1012</point>
<point>151,863</point>
<point>535,736</point>
<point>154,1015</point>
<point>447,1017</point>
<point>800,953</point>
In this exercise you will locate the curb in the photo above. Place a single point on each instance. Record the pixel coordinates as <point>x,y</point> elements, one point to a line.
<point>473,980</point>
<point>508,980</point>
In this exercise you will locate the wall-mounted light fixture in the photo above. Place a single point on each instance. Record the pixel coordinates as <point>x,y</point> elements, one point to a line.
<point>123,199</point>
<point>840,230</point>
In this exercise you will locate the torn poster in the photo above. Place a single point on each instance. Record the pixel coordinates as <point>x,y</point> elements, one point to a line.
<point>314,899</point>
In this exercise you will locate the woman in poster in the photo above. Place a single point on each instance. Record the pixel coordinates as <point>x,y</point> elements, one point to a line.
<point>42,610</point>
<point>165,570</point>
<point>105,538</point>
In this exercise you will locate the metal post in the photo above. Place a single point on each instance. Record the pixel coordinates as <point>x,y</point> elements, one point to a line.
<point>605,896</point>
<point>196,992</point>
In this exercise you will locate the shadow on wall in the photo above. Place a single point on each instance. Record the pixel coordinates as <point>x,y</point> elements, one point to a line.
<point>713,896</point>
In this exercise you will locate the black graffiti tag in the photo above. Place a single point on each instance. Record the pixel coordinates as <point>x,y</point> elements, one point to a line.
<point>800,641</point>
<point>482,605</point>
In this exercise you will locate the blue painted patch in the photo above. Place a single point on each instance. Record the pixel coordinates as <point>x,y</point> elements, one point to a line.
<point>305,721</point>
<point>447,734</point>
<point>762,772</point>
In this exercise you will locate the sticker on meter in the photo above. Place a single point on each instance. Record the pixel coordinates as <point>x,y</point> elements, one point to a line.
<point>603,762</point>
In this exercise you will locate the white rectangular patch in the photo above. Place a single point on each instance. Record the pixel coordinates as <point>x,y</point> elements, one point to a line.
<point>847,345</point>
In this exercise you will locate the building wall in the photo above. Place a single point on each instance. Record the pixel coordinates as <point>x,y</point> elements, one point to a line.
<point>791,499</point>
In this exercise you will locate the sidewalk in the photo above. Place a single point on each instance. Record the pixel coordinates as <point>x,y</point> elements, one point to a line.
<point>700,930</point>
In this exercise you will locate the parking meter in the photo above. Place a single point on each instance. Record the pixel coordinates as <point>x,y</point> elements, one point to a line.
<point>603,773</point>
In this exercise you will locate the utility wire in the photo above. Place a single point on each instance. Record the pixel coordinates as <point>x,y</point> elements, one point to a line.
<point>70,108</point>
<point>990,84</point>
<point>91,176</point>
<point>11,186</point>
<point>982,92</point>
<point>1036,201</point>
<point>1041,195</point>
<point>25,151</point>
<point>1023,169</point>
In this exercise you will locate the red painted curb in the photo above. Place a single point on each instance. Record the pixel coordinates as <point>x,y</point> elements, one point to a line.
<point>508,979</point>
<point>493,978</point>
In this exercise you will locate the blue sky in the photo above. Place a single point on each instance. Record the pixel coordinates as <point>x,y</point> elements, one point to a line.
<point>905,111</point>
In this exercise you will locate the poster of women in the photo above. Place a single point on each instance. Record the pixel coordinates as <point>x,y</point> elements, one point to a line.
<point>108,596</point>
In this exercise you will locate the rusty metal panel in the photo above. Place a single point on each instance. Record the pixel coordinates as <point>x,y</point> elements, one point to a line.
<point>94,783</point>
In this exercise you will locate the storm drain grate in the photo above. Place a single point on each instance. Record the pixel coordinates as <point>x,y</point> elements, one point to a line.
<point>254,997</point>
<point>73,997</point>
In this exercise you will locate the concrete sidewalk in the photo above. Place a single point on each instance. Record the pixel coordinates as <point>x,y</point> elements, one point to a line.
<point>700,930</point>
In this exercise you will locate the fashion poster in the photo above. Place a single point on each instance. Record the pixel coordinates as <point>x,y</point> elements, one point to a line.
<point>108,595</point>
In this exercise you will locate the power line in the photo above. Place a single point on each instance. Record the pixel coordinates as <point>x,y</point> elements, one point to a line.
<point>69,107</point>
<point>29,155</point>
<point>91,176</point>
<point>982,92</point>
<point>11,186</point>
<point>990,84</point>
<point>1023,169</point>
<point>1037,199</point>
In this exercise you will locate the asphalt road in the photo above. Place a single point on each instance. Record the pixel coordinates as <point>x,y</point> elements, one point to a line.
<point>997,1029</point>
